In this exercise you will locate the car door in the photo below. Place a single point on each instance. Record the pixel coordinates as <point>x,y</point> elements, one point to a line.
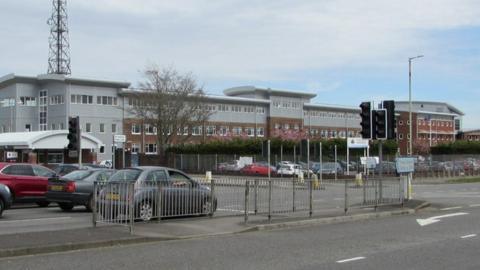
<point>187,198</point>
<point>25,181</point>
<point>40,179</point>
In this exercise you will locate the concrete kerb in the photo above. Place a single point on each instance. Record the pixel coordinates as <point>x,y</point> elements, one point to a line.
<point>16,252</point>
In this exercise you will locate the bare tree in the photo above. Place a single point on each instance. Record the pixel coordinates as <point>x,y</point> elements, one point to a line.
<point>171,103</point>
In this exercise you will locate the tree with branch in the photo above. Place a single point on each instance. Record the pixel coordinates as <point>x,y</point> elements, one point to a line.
<point>171,103</point>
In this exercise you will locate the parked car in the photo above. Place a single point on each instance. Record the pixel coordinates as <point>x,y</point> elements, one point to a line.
<point>327,168</point>
<point>181,195</point>
<point>258,168</point>
<point>106,163</point>
<point>5,198</point>
<point>27,182</point>
<point>63,169</point>
<point>76,188</point>
<point>290,169</point>
<point>230,166</point>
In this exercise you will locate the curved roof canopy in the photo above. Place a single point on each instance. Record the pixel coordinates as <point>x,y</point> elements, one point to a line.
<point>52,139</point>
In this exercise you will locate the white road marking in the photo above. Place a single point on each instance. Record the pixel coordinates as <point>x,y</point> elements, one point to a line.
<point>233,210</point>
<point>351,259</point>
<point>451,208</point>
<point>468,236</point>
<point>474,205</point>
<point>36,219</point>
<point>431,220</point>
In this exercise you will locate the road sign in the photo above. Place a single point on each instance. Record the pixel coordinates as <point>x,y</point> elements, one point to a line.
<point>12,155</point>
<point>72,153</point>
<point>370,162</point>
<point>357,143</point>
<point>405,164</point>
<point>119,138</point>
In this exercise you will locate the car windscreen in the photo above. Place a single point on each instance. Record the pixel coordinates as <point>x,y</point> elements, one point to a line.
<point>78,175</point>
<point>125,175</point>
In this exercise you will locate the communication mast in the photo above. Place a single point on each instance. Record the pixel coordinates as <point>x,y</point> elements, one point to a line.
<point>59,55</point>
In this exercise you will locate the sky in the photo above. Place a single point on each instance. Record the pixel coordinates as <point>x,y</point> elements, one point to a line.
<point>345,51</point>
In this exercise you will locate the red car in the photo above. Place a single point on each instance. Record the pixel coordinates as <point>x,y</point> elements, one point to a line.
<point>257,169</point>
<point>27,182</point>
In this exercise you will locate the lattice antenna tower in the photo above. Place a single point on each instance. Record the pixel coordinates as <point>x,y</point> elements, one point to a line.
<point>59,55</point>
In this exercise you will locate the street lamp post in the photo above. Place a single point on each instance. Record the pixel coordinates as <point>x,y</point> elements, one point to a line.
<point>410,146</point>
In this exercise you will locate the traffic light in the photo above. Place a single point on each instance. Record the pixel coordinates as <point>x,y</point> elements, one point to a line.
<point>389,105</point>
<point>380,119</point>
<point>366,123</point>
<point>73,133</point>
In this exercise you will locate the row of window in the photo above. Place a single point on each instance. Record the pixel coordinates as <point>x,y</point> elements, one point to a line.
<point>198,130</point>
<point>325,114</point>
<point>101,128</point>
<point>287,105</point>
<point>434,123</point>
<point>87,99</point>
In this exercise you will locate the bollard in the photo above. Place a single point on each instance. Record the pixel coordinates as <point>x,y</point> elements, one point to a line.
<point>208,176</point>
<point>358,180</point>
<point>316,183</point>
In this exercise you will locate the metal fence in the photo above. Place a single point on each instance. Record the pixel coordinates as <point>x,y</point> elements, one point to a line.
<point>128,202</point>
<point>334,166</point>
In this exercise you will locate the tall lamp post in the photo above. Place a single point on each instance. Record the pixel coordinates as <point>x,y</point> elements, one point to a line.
<point>410,146</point>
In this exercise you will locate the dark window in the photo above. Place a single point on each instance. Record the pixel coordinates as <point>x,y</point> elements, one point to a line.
<point>44,172</point>
<point>19,170</point>
<point>156,176</point>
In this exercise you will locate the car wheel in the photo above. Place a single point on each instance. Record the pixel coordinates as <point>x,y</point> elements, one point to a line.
<point>2,207</point>
<point>66,206</point>
<point>89,204</point>
<point>43,204</point>
<point>145,211</point>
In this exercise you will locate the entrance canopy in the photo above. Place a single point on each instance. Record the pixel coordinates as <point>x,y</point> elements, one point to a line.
<point>51,139</point>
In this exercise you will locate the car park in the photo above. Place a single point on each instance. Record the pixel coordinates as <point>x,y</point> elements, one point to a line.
<point>327,168</point>
<point>27,182</point>
<point>180,195</point>
<point>290,169</point>
<point>230,166</point>
<point>76,188</point>
<point>5,198</point>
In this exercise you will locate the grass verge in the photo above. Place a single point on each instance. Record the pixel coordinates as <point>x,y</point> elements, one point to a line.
<point>464,180</point>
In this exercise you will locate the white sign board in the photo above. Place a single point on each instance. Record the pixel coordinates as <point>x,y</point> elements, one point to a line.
<point>119,138</point>
<point>405,164</point>
<point>371,162</point>
<point>12,155</point>
<point>357,143</point>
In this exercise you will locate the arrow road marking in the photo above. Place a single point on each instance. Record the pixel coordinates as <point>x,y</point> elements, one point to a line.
<point>350,260</point>
<point>431,220</point>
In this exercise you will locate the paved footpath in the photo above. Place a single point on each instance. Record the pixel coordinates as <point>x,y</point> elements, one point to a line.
<point>18,244</point>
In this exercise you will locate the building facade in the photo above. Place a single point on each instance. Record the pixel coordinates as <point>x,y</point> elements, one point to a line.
<point>433,123</point>
<point>45,102</point>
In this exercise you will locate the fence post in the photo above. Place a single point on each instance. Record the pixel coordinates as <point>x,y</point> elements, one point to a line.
<point>365,183</point>
<point>293,201</point>
<point>216,162</point>
<point>131,206</point>
<point>269,199</point>
<point>310,199</point>
<point>159,200</point>
<point>212,197</point>
<point>375,182</point>
<point>94,206</point>
<point>181,161</point>
<point>336,176</point>
<point>346,196</point>
<point>247,192</point>
<point>198,162</point>
<point>256,196</point>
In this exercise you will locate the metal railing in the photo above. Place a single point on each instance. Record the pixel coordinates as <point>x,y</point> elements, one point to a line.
<point>126,202</point>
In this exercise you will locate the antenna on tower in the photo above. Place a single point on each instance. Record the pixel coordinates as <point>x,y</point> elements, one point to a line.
<point>59,55</point>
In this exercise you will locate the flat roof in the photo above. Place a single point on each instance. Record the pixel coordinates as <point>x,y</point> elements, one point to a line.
<point>449,106</point>
<point>249,89</point>
<point>12,78</point>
